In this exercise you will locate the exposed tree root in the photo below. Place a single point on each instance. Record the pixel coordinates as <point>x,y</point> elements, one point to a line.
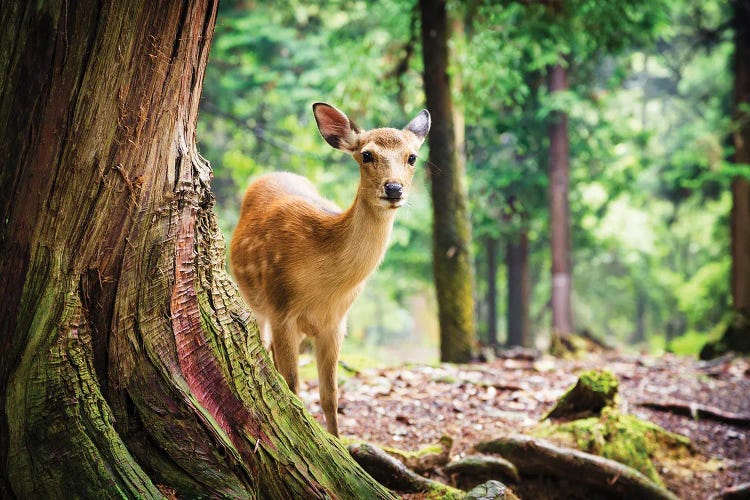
<point>535,456</point>
<point>427,459</point>
<point>393,474</point>
<point>472,470</point>
<point>697,410</point>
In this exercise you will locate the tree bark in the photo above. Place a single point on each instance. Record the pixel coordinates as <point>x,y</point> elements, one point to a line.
<point>740,216</point>
<point>451,229</point>
<point>559,172</point>
<point>491,249</point>
<point>129,365</point>
<point>517,263</point>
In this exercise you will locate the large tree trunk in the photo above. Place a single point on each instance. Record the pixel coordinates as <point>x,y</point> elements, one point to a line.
<point>128,360</point>
<point>451,230</point>
<point>517,263</point>
<point>559,167</point>
<point>741,185</point>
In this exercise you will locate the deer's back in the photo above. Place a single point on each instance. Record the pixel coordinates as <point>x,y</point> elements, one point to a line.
<point>284,223</point>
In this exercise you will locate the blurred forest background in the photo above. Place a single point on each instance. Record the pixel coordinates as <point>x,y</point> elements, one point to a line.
<point>649,125</point>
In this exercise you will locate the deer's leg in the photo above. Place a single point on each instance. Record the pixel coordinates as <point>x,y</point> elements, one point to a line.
<point>285,349</point>
<point>327,357</point>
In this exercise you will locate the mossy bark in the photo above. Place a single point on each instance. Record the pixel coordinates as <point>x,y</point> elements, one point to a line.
<point>129,365</point>
<point>452,264</point>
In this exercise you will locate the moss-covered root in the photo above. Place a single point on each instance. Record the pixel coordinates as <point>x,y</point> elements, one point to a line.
<point>491,490</point>
<point>536,456</point>
<point>594,390</point>
<point>425,459</point>
<point>393,474</point>
<point>624,438</point>
<point>470,471</point>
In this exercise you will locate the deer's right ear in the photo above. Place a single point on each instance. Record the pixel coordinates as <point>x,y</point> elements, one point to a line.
<point>336,128</point>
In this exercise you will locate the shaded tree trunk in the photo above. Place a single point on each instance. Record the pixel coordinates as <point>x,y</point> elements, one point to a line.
<point>740,217</point>
<point>517,263</point>
<point>491,249</point>
<point>641,301</point>
<point>559,172</point>
<point>451,229</point>
<point>129,365</point>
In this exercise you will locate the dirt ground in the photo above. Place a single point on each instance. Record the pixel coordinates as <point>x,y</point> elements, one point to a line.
<point>413,406</point>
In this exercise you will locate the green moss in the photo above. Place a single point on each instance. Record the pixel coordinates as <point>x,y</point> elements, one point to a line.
<point>736,337</point>
<point>624,438</point>
<point>594,390</point>
<point>600,381</point>
<point>442,446</point>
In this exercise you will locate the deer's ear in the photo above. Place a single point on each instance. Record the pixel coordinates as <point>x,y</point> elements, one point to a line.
<point>336,128</point>
<point>420,125</point>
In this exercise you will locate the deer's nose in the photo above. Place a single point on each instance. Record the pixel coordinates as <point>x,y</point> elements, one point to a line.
<point>394,191</point>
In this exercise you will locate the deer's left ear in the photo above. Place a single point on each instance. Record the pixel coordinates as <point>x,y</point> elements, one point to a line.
<point>336,128</point>
<point>420,125</point>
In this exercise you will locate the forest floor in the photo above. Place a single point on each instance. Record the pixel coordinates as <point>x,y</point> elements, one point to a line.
<point>413,406</point>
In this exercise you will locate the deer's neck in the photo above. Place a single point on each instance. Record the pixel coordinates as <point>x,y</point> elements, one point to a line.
<point>363,233</point>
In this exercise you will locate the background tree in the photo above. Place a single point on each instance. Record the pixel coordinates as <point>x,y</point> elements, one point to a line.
<point>740,217</point>
<point>130,367</point>
<point>451,228</point>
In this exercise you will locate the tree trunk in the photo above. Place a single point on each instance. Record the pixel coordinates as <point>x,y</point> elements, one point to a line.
<point>451,230</point>
<point>517,263</point>
<point>641,302</point>
<point>491,249</point>
<point>129,366</point>
<point>740,217</point>
<point>559,166</point>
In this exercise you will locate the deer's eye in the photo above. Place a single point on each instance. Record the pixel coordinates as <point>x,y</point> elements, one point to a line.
<point>366,157</point>
<point>412,159</point>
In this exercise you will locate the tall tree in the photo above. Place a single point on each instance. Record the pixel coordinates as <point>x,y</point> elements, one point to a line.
<point>452,263</point>
<point>740,218</point>
<point>519,293</point>
<point>129,366</point>
<point>559,174</point>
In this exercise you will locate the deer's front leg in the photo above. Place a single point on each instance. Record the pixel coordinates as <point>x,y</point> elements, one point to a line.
<point>327,357</point>
<point>285,349</point>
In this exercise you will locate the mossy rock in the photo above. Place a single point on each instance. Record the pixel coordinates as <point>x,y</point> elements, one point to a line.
<point>594,390</point>
<point>624,438</point>
<point>735,338</point>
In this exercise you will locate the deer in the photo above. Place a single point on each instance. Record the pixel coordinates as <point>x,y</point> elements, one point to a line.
<point>300,261</point>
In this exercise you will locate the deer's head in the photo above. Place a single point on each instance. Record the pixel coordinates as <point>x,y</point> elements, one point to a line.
<point>386,156</point>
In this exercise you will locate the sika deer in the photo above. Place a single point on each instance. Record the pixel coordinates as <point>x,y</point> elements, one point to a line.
<point>300,261</point>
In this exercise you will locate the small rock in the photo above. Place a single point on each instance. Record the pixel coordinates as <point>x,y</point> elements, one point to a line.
<point>491,490</point>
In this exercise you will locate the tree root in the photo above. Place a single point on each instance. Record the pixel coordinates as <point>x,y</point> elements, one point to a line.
<point>393,474</point>
<point>472,470</point>
<point>697,410</point>
<point>537,456</point>
<point>427,459</point>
